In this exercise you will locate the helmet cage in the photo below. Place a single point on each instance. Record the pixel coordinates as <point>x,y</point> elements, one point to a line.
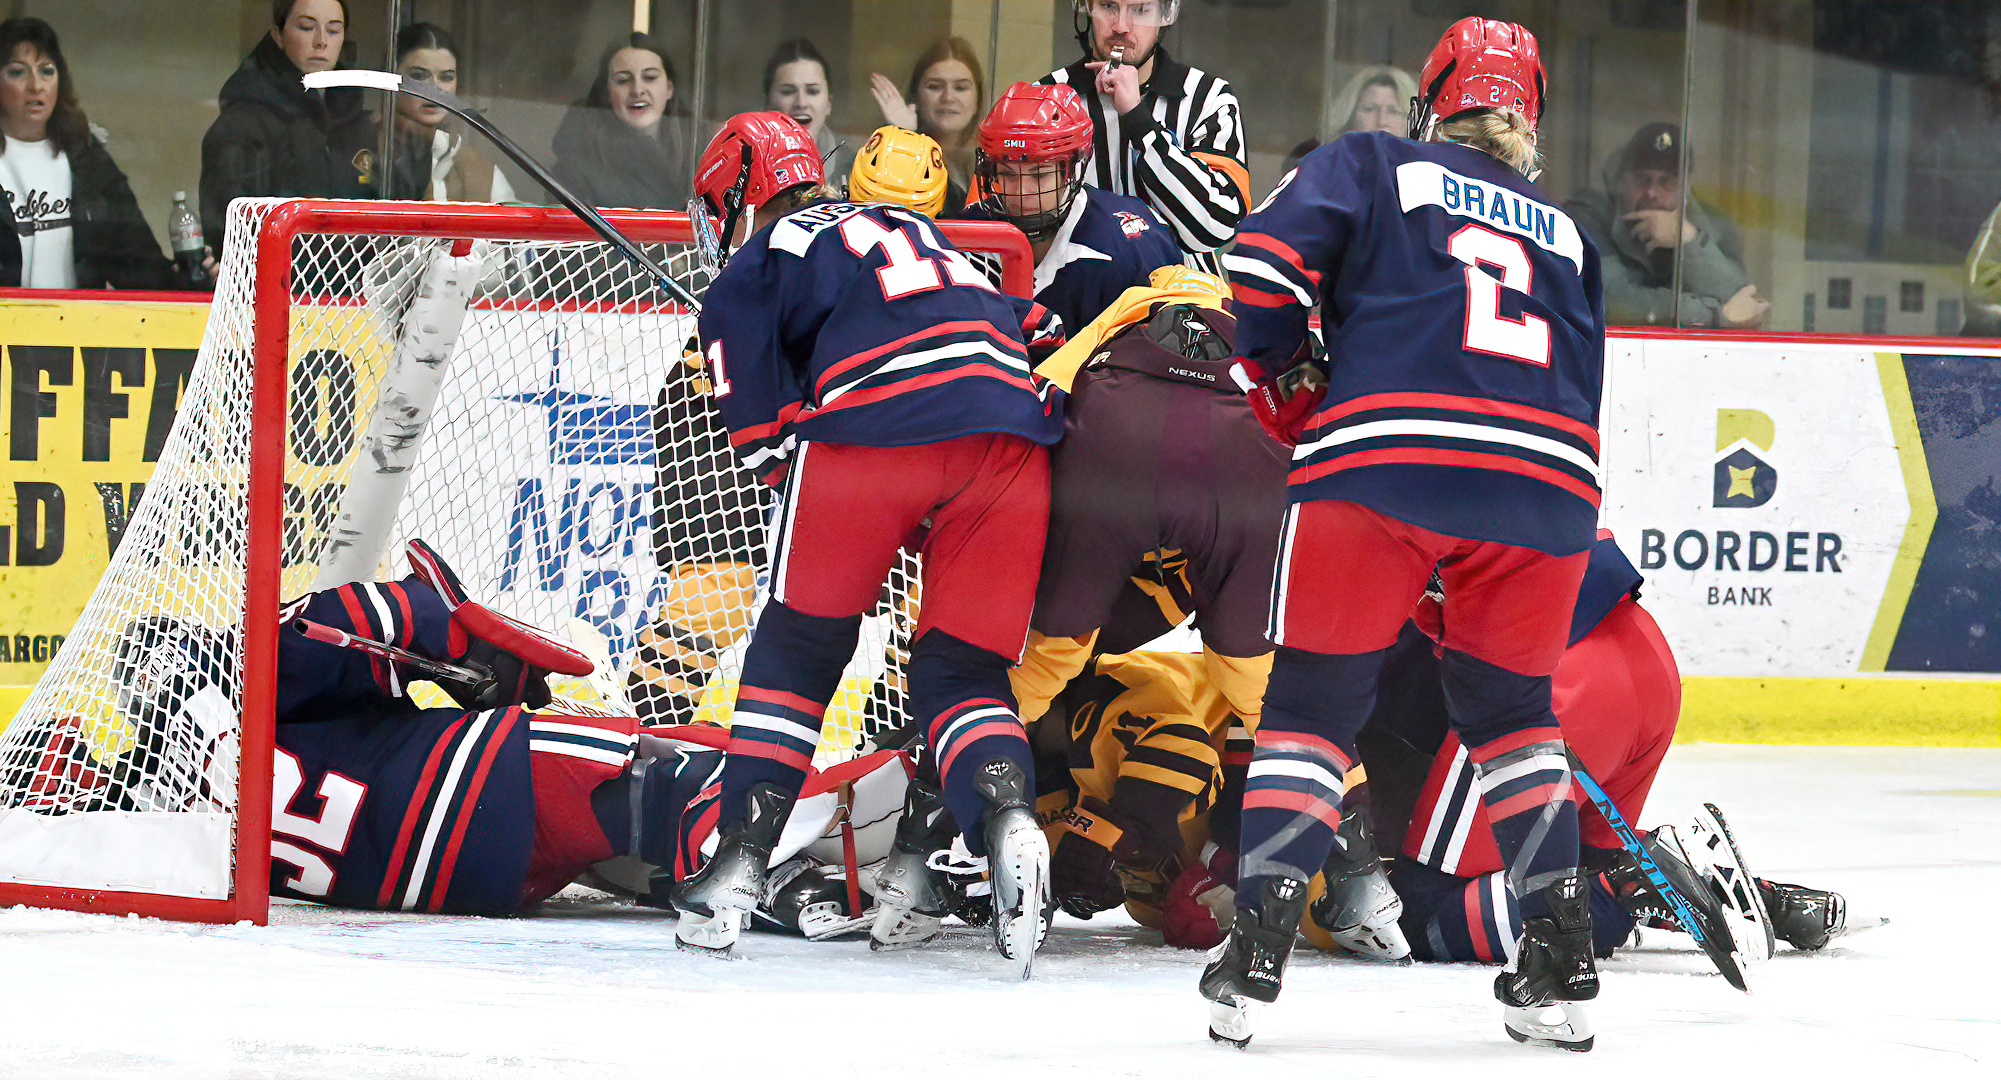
<point>711,244</point>
<point>1041,224</point>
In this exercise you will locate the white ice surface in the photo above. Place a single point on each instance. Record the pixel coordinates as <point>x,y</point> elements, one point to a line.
<point>594,991</point>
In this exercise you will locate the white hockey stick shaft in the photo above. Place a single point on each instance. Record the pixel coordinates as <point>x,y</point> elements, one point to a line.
<point>403,406</point>
<point>396,84</point>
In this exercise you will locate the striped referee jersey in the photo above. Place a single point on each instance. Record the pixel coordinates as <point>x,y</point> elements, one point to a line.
<point>1181,151</point>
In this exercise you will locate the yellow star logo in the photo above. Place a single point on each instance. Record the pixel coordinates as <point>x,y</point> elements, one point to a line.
<point>1740,482</point>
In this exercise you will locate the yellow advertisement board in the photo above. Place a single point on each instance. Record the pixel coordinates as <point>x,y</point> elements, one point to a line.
<point>90,388</point>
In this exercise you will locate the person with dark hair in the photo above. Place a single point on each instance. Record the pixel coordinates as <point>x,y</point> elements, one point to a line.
<point>430,163</point>
<point>625,144</point>
<point>274,136</point>
<point>69,220</point>
<point>796,83</point>
<point>945,99</point>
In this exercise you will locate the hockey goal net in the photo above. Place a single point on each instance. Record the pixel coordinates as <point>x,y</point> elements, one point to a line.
<point>495,380</point>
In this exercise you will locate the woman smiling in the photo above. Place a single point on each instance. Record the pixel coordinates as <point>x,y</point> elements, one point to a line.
<point>623,144</point>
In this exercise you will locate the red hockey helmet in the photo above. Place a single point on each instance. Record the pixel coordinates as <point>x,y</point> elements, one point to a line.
<point>1034,124</point>
<point>751,160</point>
<point>1480,64</point>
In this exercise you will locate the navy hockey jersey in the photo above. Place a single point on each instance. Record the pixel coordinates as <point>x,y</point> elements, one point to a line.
<point>1108,244</point>
<point>400,808</point>
<point>1465,333</point>
<point>862,325</point>
<point>379,804</point>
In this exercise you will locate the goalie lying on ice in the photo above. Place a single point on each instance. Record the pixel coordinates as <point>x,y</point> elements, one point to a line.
<point>489,808</point>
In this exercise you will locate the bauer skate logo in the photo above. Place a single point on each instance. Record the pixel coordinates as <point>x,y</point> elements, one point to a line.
<point>1742,478</point>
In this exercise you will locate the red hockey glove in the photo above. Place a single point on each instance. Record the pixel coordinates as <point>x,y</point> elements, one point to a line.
<point>1199,908</point>
<point>1284,404</point>
<point>520,657</point>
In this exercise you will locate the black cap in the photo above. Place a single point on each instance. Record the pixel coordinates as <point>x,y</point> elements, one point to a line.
<point>1655,146</point>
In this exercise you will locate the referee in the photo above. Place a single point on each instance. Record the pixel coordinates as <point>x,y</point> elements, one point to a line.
<point>1178,139</point>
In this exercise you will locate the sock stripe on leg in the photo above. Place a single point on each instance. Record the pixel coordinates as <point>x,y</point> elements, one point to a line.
<point>957,728</point>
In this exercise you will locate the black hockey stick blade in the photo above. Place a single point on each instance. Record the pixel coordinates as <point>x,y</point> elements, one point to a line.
<point>397,84</point>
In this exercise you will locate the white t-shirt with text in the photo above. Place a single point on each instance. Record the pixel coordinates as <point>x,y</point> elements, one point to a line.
<point>36,184</point>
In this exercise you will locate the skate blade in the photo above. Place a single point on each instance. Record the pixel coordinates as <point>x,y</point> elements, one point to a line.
<point>1558,1026</point>
<point>1019,932</point>
<point>709,935</point>
<point>1230,1021</point>
<point>896,931</point>
<point>1387,944</point>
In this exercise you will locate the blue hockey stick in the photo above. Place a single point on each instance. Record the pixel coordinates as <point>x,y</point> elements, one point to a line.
<point>1677,903</point>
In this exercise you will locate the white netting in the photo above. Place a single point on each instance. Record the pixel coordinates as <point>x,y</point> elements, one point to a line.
<point>573,470</point>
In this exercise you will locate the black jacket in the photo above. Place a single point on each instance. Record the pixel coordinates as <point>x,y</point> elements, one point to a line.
<point>276,138</point>
<point>607,163</point>
<point>113,245</point>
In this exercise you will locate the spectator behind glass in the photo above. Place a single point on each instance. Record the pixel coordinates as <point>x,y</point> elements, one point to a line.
<point>1636,222</point>
<point>947,98</point>
<point>274,136</point>
<point>70,221</point>
<point>625,144</point>
<point>432,164</point>
<point>795,83</point>
<point>1375,99</point>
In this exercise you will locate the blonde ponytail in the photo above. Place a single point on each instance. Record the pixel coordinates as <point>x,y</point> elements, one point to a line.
<point>1504,133</point>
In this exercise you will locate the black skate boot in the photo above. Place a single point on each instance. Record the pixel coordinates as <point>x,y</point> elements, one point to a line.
<point>1017,861</point>
<point>1644,899</point>
<point>1552,972</point>
<point>1360,910</point>
<point>910,898</point>
<point>1246,968</point>
<point>715,902</point>
<point>1806,919</point>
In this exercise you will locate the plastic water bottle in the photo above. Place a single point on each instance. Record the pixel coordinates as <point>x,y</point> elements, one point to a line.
<point>184,232</point>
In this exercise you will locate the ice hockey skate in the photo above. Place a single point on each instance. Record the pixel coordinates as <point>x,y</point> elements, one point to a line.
<point>1017,861</point>
<point>1644,901</point>
<point>1552,973</point>
<point>1247,967</point>
<point>716,901</point>
<point>1808,919</point>
<point>1360,910</point>
<point>910,903</point>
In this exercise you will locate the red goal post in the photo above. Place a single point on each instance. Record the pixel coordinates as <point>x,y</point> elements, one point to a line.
<point>569,464</point>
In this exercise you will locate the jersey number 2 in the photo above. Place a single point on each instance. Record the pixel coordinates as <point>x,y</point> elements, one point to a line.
<point>1488,331</point>
<point>340,801</point>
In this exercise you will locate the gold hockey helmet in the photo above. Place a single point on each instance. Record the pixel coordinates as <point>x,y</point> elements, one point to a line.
<point>902,168</point>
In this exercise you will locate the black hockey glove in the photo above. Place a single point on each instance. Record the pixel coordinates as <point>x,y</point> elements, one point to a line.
<point>1096,839</point>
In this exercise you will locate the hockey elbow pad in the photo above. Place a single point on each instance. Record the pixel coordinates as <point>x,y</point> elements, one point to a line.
<point>519,657</point>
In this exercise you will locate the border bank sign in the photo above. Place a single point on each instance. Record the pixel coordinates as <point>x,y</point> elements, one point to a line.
<point>1757,489</point>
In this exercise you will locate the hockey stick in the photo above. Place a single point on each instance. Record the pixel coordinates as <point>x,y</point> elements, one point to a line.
<point>1683,913</point>
<point>480,680</point>
<point>396,84</point>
